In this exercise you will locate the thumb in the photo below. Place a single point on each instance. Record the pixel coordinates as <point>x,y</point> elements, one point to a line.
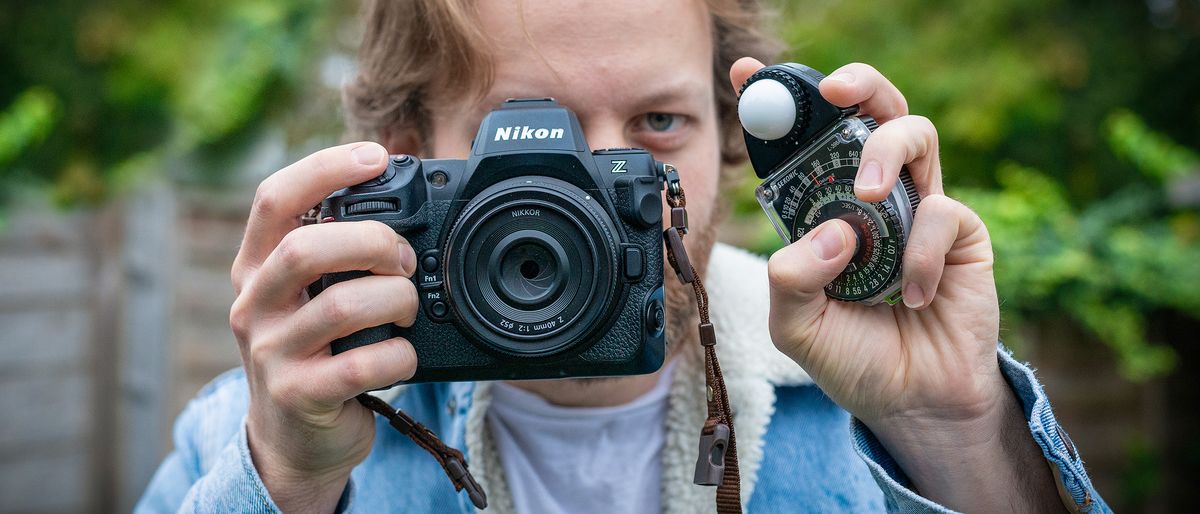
<point>741,70</point>
<point>799,272</point>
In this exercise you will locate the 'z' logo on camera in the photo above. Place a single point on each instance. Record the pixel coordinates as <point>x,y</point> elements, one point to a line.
<point>618,167</point>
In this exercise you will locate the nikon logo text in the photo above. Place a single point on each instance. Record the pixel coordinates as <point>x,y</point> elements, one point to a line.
<point>526,132</point>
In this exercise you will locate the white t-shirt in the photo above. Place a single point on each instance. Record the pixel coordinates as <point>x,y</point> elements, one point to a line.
<point>580,459</point>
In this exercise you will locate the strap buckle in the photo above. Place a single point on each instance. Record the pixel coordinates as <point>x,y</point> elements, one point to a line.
<point>710,463</point>
<point>457,469</point>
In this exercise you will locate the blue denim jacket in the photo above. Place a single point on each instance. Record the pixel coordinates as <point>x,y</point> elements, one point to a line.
<point>798,451</point>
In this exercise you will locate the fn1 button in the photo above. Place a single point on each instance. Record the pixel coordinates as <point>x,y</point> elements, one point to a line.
<point>632,262</point>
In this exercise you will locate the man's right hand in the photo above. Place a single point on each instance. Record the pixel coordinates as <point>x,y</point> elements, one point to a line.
<point>305,435</point>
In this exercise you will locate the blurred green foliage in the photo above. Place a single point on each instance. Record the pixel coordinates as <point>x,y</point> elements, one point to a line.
<point>1066,125</point>
<point>1070,126</point>
<point>98,95</point>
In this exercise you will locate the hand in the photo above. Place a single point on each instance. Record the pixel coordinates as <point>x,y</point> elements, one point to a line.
<point>923,376</point>
<point>304,434</point>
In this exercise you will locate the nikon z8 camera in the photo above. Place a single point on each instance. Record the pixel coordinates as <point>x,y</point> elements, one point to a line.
<point>808,151</point>
<point>536,257</point>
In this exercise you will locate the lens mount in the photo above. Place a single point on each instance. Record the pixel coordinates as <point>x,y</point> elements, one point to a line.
<point>530,266</point>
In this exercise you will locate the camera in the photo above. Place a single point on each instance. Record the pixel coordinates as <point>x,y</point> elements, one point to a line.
<point>536,257</point>
<point>808,150</point>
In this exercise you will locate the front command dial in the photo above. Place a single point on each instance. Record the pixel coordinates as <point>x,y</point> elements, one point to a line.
<point>819,186</point>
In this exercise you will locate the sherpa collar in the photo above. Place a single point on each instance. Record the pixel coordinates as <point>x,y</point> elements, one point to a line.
<point>737,287</point>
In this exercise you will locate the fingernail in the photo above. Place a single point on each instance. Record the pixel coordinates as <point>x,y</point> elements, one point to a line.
<point>408,259</point>
<point>828,243</point>
<point>870,177</point>
<point>843,77</point>
<point>914,296</point>
<point>368,155</point>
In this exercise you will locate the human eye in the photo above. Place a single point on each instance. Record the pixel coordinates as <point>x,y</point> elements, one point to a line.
<point>660,130</point>
<point>661,121</point>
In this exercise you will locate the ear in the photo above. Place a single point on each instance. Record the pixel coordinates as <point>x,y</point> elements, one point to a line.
<point>404,140</point>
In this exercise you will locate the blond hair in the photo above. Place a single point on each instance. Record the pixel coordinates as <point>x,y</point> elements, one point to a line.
<point>410,47</point>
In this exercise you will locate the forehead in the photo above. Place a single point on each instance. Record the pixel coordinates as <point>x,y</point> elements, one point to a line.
<point>594,55</point>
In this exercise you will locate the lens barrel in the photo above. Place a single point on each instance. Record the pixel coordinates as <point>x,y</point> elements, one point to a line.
<point>531,265</point>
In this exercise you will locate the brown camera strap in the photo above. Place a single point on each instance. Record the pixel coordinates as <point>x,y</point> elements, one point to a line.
<point>451,460</point>
<point>717,462</point>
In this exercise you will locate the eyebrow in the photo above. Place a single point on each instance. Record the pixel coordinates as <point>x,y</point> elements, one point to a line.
<point>678,92</point>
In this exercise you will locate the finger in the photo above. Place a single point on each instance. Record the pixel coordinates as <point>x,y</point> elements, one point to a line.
<point>338,378</point>
<point>944,232</point>
<point>306,253</point>
<point>910,141</point>
<point>741,71</point>
<point>345,308</point>
<point>289,193</point>
<point>862,85</point>
<point>799,272</point>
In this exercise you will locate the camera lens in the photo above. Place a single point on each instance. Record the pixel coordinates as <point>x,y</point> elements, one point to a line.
<point>532,269</point>
<point>532,263</point>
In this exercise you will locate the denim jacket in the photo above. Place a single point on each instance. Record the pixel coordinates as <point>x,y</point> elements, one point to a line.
<point>797,450</point>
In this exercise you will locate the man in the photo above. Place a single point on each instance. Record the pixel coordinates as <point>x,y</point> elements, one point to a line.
<point>942,420</point>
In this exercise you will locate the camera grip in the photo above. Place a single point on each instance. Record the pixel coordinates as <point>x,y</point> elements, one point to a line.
<point>362,337</point>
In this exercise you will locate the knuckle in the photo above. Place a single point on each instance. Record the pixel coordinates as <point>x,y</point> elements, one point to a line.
<point>923,123</point>
<point>780,274</point>
<point>337,307</point>
<point>354,373</point>
<point>920,258</point>
<point>936,204</point>
<point>266,199</point>
<point>326,160</point>
<point>381,240</point>
<point>293,250</point>
<point>238,275</point>
<point>240,318</point>
<point>261,355</point>
<point>384,232</point>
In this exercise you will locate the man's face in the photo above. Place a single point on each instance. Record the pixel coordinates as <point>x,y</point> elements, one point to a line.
<point>637,74</point>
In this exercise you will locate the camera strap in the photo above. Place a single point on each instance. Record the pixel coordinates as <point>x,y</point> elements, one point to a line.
<point>451,460</point>
<point>717,462</point>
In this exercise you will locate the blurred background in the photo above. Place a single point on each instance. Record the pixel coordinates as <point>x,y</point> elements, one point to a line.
<point>132,134</point>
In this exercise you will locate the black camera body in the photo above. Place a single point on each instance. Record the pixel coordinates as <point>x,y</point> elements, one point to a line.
<point>536,257</point>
